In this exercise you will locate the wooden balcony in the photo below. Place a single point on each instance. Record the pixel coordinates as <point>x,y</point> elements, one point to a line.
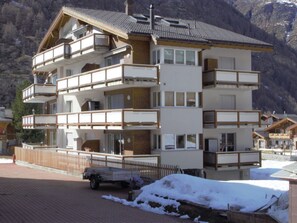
<point>231,118</point>
<point>231,79</point>
<point>39,93</point>
<point>42,121</point>
<point>279,135</point>
<point>118,76</point>
<point>49,59</point>
<point>110,119</point>
<point>232,160</point>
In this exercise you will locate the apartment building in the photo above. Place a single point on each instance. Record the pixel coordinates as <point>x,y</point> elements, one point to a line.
<point>132,84</point>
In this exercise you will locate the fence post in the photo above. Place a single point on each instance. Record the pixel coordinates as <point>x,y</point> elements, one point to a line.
<point>159,167</point>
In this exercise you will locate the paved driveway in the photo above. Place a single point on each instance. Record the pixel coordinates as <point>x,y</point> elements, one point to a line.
<point>31,195</point>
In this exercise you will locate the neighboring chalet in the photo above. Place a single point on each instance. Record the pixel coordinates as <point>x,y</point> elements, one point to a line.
<point>131,84</point>
<point>7,132</point>
<point>281,133</point>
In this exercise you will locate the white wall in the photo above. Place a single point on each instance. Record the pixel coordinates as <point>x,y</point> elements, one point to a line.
<point>212,99</point>
<point>180,78</point>
<point>243,60</point>
<point>192,159</point>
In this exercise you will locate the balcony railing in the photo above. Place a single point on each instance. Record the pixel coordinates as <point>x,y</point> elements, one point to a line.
<point>110,119</point>
<point>86,44</point>
<point>232,160</point>
<point>223,118</point>
<point>39,93</point>
<point>231,78</point>
<point>40,121</point>
<point>279,135</point>
<point>56,53</point>
<point>143,75</point>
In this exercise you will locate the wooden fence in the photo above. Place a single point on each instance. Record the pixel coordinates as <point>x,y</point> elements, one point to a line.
<point>75,162</point>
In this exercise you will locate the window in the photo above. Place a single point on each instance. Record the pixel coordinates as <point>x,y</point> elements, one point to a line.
<point>158,56</point>
<point>115,101</point>
<point>69,140</point>
<point>156,141</point>
<point>68,106</point>
<point>191,141</point>
<point>200,100</point>
<point>190,57</point>
<point>179,57</point>
<point>169,98</point>
<point>180,99</point>
<point>169,141</point>
<point>168,56</point>
<point>180,141</point>
<point>227,142</point>
<point>156,99</point>
<point>191,99</point>
<point>154,59</point>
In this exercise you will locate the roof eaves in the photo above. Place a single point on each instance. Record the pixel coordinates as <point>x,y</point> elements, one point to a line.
<point>106,27</point>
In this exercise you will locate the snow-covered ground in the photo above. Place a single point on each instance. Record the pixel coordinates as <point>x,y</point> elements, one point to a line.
<point>247,195</point>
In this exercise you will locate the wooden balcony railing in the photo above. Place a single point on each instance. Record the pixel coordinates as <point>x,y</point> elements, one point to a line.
<point>216,77</point>
<point>279,135</point>
<point>111,119</point>
<point>110,76</point>
<point>219,118</point>
<point>86,44</point>
<point>48,121</point>
<point>232,160</point>
<point>39,93</point>
<point>59,52</point>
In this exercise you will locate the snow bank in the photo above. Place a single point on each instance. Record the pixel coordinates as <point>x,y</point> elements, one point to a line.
<point>249,196</point>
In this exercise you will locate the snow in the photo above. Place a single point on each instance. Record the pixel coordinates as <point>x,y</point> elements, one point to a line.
<point>245,195</point>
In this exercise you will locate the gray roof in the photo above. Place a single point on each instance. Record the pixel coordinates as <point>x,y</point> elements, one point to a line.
<point>288,172</point>
<point>193,31</point>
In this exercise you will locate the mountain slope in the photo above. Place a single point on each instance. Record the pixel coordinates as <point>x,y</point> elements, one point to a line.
<point>24,23</point>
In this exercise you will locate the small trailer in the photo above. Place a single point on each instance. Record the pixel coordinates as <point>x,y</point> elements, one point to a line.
<point>125,177</point>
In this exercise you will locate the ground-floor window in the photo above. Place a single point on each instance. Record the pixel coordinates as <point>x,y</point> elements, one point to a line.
<point>115,143</point>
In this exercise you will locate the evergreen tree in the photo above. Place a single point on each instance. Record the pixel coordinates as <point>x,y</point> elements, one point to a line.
<point>20,109</point>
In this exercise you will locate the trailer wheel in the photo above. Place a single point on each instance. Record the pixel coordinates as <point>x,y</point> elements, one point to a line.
<point>94,184</point>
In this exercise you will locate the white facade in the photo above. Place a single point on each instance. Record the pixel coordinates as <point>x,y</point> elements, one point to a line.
<point>173,106</point>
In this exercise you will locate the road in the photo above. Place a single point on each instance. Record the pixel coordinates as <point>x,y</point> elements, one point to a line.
<point>33,195</point>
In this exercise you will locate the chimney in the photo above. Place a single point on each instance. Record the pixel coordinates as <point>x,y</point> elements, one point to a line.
<point>129,7</point>
<point>152,17</point>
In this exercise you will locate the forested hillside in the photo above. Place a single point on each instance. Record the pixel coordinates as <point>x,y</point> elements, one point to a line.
<point>23,23</point>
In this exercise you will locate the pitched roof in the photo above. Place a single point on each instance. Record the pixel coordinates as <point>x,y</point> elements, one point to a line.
<point>261,134</point>
<point>198,31</point>
<point>275,124</point>
<point>189,31</point>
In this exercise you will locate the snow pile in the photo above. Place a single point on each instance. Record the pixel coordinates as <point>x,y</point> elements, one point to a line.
<point>248,196</point>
